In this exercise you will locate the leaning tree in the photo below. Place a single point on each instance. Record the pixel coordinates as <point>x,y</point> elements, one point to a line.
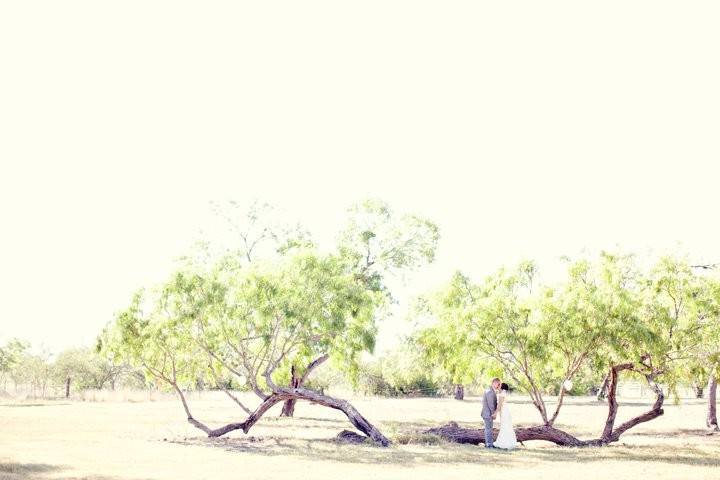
<point>606,315</point>
<point>254,321</point>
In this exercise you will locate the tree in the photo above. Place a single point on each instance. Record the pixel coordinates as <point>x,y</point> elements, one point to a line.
<point>707,359</point>
<point>11,355</point>
<point>86,369</point>
<point>711,419</point>
<point>254,320</point>
<point>500,322</point>
<point>34,371</point>
<point>607,314</point>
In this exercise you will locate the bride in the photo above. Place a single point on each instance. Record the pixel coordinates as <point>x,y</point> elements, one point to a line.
<point>506,438</point>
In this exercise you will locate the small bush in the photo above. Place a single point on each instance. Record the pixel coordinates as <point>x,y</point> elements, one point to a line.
<point>417,438</point>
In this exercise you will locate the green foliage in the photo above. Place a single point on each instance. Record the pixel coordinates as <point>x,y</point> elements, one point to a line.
<point>86,369</point>
<point>400,373</point>
<point>606,312</point>
<point>32,371</point>
<point>252,318</point>
<point>377,241</point>
<point>419,438</point>
<point>11,356</point>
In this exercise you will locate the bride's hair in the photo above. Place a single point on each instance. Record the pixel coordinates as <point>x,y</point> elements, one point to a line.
<point>505,387</point>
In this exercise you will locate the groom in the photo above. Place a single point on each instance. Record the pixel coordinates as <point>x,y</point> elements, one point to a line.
<point>489,410</point>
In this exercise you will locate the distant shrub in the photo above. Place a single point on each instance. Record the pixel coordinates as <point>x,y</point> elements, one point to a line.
<point>418,439</point>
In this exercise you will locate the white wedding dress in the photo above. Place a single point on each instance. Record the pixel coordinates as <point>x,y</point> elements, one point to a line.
<point>506,439</point>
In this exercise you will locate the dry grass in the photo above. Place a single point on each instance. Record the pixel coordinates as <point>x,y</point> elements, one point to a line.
<point>150,440</point>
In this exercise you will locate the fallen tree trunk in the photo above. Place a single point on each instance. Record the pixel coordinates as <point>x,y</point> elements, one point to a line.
<point>454,433</point>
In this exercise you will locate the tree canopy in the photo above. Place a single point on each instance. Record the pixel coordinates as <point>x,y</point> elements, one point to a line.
<point>607,314</point>
<point>249,319</point>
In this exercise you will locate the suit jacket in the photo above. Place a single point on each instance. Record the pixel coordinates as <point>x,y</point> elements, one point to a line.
<point>489,403</point>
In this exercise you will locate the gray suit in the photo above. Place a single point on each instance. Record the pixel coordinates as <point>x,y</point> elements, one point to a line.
<point>489,407</point>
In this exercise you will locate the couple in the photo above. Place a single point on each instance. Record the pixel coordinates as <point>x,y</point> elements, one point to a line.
<point>494,405</point>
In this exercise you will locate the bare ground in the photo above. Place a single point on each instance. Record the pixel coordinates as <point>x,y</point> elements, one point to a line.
<point>151,440</point>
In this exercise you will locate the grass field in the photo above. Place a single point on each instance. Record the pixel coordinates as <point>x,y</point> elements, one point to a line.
<point>151,440</point>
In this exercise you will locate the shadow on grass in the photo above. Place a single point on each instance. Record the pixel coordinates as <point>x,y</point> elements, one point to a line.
<point>334,451</point>
<point>285,421</point>
<point>671,455</point>
<point>417,452</point>
<point>23,470</point>
<point>424,424</point>
<point>676,433</point>
<point>602,403</point>
<point>40,471</point>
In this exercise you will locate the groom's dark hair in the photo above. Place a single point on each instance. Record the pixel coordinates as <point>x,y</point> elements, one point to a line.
<point>495,380</point>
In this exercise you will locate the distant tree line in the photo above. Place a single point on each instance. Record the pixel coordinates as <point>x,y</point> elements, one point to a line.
<point>39,375</point>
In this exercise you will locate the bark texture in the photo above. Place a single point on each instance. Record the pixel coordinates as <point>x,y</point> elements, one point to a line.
<point>358,421</point>
<point>296,381</point>
<point>459,392</point>
<point>711,420</point>
<point>454,433</point>
<point>602,392</point>
<point>288,409</point>
<point>698,389</point>
<point>280,394</point>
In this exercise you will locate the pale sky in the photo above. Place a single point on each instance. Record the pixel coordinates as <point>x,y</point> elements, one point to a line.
<point>524,129</point>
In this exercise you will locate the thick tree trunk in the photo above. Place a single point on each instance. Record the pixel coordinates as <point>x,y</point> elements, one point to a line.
<point>454,433</point>
<point>711,420</point>
<point>698,390</point>
<point>459,392</point>
<point>611,434</point>
<point>67,388</point>
<point>360,422</point>
<point>288,409</point>
<point>611,397</point>
<point>297,381</point>
<point>602,392</point>
<point>281,395</point>
<point>245,426</point>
